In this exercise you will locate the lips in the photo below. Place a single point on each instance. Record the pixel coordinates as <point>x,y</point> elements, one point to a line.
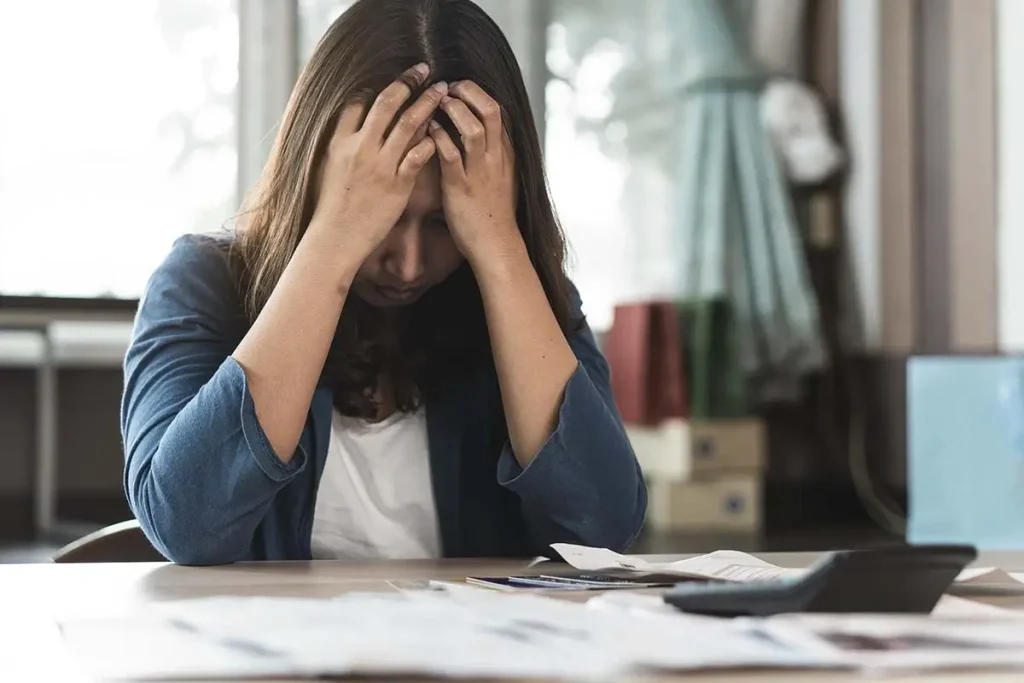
<point>398,293</point>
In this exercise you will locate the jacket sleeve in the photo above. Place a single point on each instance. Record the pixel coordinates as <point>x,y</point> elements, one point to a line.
<point>585,485</point>
<point>199,471</point>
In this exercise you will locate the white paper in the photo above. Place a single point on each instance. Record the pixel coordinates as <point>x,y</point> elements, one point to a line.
<point>413,585</point>
<point>949,606</point>
<point>989,576</point>
<point>890,643</point>
<point>731,565</point>
<point>631,601</point>
<point>421,633</point>
<point>727,565</point>
<point>465,633</point>
<point>953,606</point>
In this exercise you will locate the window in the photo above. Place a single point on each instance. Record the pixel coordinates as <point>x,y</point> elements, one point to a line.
<point>117,134</point>
<point>315,16</point>
<point>111,158</point>
<point>107,157</point>
<point>608,144</point>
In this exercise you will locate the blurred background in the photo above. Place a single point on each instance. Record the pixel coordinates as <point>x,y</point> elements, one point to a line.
<point>792,197</point>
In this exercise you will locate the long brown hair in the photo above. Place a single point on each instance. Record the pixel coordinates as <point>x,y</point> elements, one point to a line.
<point>444,333</point>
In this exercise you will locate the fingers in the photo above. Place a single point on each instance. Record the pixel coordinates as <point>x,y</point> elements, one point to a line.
<point>451,157</point>
<point>417,158</point>
<point>391,99</point>
<point>474,136</point>
<point>421,132</point>
<point>484,107</point>
<point>350,119</point>
<point>408,129</point>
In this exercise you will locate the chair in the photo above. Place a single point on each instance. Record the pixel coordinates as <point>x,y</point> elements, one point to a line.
<point>122,542</point>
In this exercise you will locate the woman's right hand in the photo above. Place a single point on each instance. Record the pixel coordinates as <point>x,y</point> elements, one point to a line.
<point>368,175</point>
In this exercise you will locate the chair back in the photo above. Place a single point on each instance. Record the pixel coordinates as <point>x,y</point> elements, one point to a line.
<point>121,542</point>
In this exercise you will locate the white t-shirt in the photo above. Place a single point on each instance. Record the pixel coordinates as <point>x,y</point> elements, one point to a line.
<point>375,499</point>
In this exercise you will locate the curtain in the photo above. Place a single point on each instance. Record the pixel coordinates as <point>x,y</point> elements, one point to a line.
<point>777,31</point>
<point>749,309</point>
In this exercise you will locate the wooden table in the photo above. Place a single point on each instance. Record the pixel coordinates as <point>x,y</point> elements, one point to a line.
<point>31,649</point>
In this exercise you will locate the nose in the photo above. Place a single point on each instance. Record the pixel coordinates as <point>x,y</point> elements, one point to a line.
<point>405,260</point>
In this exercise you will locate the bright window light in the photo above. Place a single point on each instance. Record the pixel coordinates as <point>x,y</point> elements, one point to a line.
<point>117,134</point>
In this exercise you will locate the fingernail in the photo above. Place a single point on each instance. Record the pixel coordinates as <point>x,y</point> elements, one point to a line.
<point>434,125</point>
<point>422,69</point>
<point>441,87</point>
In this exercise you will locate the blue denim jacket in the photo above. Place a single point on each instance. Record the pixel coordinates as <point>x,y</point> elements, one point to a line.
<point>207,488</point>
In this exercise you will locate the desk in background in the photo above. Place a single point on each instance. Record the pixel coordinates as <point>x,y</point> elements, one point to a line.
<point>47,334</point>
<point>31,594</point>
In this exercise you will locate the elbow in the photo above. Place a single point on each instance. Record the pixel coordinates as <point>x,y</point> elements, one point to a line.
<point>187,546</point>
<point>626,518</point>
<point>622,531</point>
<point>182,543</point>
<point>637,517</point>
<point>617,518</point>
<point>189,555</point>
<point>178,528</point>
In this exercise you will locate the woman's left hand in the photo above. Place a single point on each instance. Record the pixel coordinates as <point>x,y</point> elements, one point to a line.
<point>479,188</point>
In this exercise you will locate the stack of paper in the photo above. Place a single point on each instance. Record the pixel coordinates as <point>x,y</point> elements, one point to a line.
<point>724,565</point>
<point>730,565</point>
<point>581,581</point>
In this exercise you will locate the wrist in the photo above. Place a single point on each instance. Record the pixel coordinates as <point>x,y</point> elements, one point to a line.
<point>341,253</point>
<point>500,256</point>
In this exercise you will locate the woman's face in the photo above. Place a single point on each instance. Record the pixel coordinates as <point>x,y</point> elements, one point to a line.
<point>417,254</point>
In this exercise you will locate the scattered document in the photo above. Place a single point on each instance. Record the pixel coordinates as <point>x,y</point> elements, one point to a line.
<point>406,585</point>
<point>638,603</point>
<point>731,565</point>
<point>581,580</point>
<point>458,633</point>
<point>414,633</point>
<point>950,606</point>
<point>988,580</point>
<point>468,633</point>
<point>520,583</point>
<point>877,643</point>
<point>723,565</point>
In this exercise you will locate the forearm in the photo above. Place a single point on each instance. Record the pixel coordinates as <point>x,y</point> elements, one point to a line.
<point>179,470</point>
<point>283,353</point>
<point>533,359</point>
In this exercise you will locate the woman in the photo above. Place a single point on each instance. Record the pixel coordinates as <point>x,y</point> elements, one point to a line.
<point>385,360</point>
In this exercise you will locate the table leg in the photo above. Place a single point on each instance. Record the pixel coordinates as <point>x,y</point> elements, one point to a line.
<point>46,440</point>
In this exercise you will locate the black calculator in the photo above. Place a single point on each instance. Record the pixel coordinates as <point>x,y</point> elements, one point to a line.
<point>900,580</point>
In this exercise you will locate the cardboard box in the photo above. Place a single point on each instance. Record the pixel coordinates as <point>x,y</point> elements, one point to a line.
<point>728,504</point>
<point>678,450</point>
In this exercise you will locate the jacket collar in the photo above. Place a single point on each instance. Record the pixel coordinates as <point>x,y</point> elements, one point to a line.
<point>445,413</point>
